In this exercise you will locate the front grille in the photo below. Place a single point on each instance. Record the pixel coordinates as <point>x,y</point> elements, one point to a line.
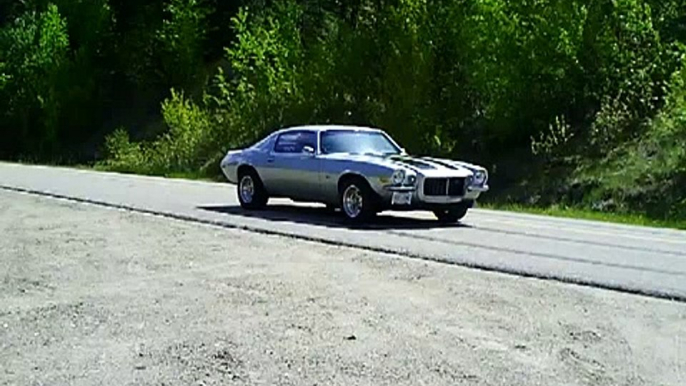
<point>453,187</point>
<point>435,186</point>
<point>456,187</point>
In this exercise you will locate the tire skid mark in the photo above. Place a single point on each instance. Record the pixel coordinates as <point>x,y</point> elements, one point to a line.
<point>538,255</point>
<point>578,241</point>
<point>630,232</point>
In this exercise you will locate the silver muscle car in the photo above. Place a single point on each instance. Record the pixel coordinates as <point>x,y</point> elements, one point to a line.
<point>360,170</point>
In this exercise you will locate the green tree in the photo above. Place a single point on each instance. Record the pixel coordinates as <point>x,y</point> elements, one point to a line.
<point>265,62</point>
<point>35,49</point>
<point>182,37</point>
<point>4,78</point>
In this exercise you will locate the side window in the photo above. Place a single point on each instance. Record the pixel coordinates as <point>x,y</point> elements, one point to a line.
<point>294,142</point>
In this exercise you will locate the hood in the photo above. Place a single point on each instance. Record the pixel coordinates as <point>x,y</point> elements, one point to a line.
<point>424,166</point>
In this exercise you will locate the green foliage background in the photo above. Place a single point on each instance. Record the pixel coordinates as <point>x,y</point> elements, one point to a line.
<point>575,102</point>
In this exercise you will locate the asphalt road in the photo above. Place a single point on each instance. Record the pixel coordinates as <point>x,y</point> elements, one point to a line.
<point>633,259</point>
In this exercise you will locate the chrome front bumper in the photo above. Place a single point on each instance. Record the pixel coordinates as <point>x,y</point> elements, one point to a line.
<point>419,199</point>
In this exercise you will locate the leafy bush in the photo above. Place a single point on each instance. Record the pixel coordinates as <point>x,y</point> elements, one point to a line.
<point>553,141</point>
<point>124,156</point>
<point>183,148</point>
<point>648,174</point>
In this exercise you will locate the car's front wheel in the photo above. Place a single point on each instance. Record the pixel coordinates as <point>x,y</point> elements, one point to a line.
<point>356,200</point>
<point>452,214</point>
<point>251,192</point>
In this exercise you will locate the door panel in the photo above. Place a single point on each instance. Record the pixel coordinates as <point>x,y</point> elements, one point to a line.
<point>297,175</point>
<point>290,171</point>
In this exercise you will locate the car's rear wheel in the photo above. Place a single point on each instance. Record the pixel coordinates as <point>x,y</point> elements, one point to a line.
<point>251,192</point>
<point>357,200</point>
<point>452,214</point>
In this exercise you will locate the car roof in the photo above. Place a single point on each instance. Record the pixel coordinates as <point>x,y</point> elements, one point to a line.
<point>320,128</point>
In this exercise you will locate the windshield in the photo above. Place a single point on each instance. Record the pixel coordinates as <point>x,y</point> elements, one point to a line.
<point>357,142</point>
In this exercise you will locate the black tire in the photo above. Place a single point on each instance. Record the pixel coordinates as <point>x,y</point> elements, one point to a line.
<point>451,215</point>
<point>259,198</point>
<point>367,207</point>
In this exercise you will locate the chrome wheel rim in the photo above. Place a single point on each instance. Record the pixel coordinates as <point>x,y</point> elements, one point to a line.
<point>352,201</point>
<point>247,189</point>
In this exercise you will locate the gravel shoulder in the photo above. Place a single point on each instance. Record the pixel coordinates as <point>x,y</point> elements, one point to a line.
<point>98,296</point>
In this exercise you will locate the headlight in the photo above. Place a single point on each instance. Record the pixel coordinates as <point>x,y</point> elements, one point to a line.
<point>398,177</point>
<point>410,180</point>
<point>480,177</point>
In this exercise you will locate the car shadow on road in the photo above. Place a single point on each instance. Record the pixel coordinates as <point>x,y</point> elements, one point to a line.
<point>323,217</point>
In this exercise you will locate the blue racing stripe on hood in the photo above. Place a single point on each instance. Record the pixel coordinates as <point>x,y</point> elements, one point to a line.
<point>413,162</point>
<point>443,163</point>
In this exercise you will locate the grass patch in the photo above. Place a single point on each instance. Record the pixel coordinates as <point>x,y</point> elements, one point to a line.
<point>198,176</point>
<point>587,214</point>
<point>193,176</point>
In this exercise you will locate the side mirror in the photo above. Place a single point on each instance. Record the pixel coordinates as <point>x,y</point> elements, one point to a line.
<point>403,151</point>
<point>309,150</point>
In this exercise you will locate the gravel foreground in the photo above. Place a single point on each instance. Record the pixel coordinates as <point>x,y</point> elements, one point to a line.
<point>98,296</point>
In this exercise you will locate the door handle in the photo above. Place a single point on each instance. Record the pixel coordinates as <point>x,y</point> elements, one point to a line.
<point>270,160</point>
